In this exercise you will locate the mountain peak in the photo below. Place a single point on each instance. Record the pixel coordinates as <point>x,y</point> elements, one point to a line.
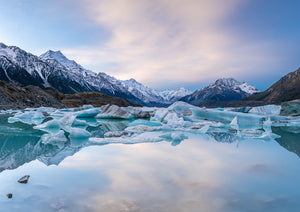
<point>226,82</point>
<point>59,57</point>
<point>223,89</point>
<point>2,45</point>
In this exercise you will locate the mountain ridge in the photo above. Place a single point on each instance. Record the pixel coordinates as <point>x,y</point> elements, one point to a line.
<point>54,69</point>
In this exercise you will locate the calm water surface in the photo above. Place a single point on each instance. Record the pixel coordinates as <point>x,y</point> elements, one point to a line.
<point>202,173</point>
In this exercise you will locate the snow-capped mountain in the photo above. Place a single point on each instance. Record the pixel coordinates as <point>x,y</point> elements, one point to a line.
<point>60,58</point>
<point>174,95</point>
<point>55,69</point>
<point>224,89</point>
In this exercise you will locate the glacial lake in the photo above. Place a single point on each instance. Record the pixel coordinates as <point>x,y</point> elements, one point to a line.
<point>217,170</point>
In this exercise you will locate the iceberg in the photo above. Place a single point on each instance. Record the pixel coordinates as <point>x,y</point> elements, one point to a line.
<point>79,124</point>
<point>159,114</point>
<point>52,126</point>
<point>181,108</point>
<point>245,119</point>
<point>268,130</point>
<point>266,110</point>
<point>79,133</point>
<point>58,138</point>
<point>113,112</point>
<point>144,122</point>
<point>173,120</point>
<point>204,129</point>
<point>113,124</point>
<point>67,121</point>
<point>85,107</point>
<point>291,108</point>
<point>28,117</point>
<point>88,113</point>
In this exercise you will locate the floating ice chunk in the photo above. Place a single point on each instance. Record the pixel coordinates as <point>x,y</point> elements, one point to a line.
<point>181,108</point>
<point>142,128</point>
<point>91,122</point>
<point>201,123</point>
<point>219,109</point>
<point>116,134</point>
<point>245,119</point>
<point>79,123</point>
<point>159,114</point>
<point>85,107</point>
<point>268,130</point>
<point>266,110</point>
<point>28,117</point>
<point>291,108</point>
<point>67,121</point>
<point>8,111</point>
<point>113,112</point>
<point>58,138</point>
<point>88,113</point>
<point>79,133</point>
<point>57,114</point>
<point>52,126</point>
<point>241,110</point>
<point>144,122</point>
<point>204,129</point>
<point>234,123</point>
<point>234,126</point>
<point>138,113</point>
<point>173,120</point>
<point>113,125</point>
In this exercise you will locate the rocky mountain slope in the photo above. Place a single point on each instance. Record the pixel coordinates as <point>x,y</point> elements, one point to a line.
<point>286,89</point>
<point>14,96</point>
<point>225,89</point>
<point>93,98</point>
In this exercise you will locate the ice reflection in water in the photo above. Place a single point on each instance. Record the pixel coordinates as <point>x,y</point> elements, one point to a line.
<point>186,169</point>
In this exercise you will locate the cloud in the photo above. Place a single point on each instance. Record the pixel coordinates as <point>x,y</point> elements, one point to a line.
<point>163,41</point>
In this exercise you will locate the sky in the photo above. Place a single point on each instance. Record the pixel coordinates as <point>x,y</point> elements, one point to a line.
<point>163,43</point>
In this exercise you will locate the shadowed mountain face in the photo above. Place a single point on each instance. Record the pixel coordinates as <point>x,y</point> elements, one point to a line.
<point>286,89</point>
<point>290,138</point>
